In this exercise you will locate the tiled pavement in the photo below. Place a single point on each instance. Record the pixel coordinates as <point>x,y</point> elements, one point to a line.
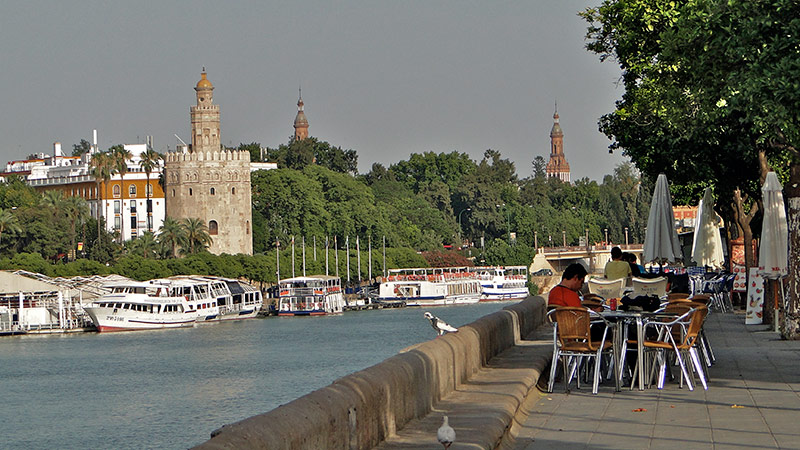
<point>753,401</point>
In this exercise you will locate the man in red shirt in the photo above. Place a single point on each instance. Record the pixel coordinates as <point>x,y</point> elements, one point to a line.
<point>566,292</point>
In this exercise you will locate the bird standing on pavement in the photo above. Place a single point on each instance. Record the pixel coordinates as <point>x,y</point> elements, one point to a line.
<point>440,325</point>
<point>446,433</point>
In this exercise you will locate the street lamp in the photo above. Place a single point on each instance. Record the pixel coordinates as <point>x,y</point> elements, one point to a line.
<point>626,236</point>
<point>460,241</point>
<point>606,232</point>
<point>564,238</point>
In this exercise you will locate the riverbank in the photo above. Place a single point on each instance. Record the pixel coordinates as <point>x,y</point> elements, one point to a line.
<point>364,409</point>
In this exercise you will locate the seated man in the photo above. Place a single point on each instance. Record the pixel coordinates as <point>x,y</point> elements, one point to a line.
<point>566,292</point>
<point>617,268</point>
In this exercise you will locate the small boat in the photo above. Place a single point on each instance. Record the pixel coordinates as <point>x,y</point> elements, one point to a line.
<point>503,283</point>
<point>245,301</point>
<point>314,295</point>
<point>233,299</point>
<point>200,293</point>
<point>141,306</point>
<point>431,286</point>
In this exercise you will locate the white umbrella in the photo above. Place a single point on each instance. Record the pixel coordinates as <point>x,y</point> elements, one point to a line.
<point>707,245</point>
<point>773,252</point>
<point>661,241</point>
<point>773,255</point>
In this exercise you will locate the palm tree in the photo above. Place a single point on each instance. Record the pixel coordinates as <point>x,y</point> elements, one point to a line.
<point>120,157</point>
<point>53,200</point>
<point>8,222</point>
<point>197,236</point>
<point>147,244</point>
<point>171,234</point>
<point>77,210</point>
<point>101,171</point>
<point>149,161</point>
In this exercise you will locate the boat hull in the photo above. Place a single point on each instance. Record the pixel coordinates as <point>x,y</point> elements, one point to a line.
<point>106,320</point>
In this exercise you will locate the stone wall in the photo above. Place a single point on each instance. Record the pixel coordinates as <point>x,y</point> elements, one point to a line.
<point>363,409</point>
<point>213,187</point>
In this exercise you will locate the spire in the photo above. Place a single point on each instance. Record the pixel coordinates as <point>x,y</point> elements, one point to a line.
<point>556,130</point>
<point>300,99</point>
<point>300,121</point>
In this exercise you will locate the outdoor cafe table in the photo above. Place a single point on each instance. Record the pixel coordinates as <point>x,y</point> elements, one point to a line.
<point>620,319</point>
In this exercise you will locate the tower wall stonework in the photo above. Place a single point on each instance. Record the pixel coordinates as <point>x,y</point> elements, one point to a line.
<point>213,186</point>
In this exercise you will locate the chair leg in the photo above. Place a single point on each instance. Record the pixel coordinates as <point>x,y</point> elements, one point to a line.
<point>684,372</point>
<point>698,366</point>
<point>596,371</point>
<point>553,367</point>
<point>707,345</point>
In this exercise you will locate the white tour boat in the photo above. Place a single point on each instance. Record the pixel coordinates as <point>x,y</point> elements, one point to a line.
<point>141,306</point>
<point>314,295</point>
<point>431,286</point>
<point>503,283</point>
<point>245,301</point>
<point>200,293</point>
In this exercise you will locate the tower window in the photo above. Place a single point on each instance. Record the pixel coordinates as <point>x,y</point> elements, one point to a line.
<point>233,191</point>
<point>213,191</point>
<point>212,228</point>
<point>190,191</point>
<point>173,192</point>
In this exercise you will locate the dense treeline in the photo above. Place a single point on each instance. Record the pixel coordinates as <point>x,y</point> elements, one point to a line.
<point>420,208</point>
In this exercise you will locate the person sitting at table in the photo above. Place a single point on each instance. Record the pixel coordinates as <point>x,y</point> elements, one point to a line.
<point>617,268</point>
<point>565,293</point>
<point>630,258</point>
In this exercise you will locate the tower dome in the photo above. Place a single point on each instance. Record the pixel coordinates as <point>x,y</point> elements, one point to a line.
<point>204,83</point>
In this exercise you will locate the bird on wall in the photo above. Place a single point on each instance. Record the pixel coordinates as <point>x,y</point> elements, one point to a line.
<point>446,434</point>
<point>440,325</point>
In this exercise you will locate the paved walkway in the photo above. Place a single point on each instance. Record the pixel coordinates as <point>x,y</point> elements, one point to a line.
<point>753,401</point>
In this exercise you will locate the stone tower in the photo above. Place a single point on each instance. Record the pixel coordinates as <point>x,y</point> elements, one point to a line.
<point>558,166</point>
<point>300,121</point>
<point>210,183</point>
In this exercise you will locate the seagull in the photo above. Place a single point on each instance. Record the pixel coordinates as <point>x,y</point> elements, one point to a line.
<point>440,325</point>
<point>446,434</point>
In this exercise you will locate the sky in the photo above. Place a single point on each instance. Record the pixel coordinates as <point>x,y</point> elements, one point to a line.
<point>386,79</point>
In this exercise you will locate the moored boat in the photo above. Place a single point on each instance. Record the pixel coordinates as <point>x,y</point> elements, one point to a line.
<point>431,286</point>
<point>314,295</point>
<point>503,283</point>
<point>141,306</point>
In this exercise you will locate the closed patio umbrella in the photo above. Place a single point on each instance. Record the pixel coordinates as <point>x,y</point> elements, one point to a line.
<point>661,240</point>
<point>773,252</point>
<point>707,245</point>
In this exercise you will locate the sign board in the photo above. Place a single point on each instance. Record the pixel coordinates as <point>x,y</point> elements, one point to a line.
<point>740,280</point>
<point>755,298</point>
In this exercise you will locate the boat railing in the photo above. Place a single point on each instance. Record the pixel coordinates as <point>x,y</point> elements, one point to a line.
<point>302,291</point>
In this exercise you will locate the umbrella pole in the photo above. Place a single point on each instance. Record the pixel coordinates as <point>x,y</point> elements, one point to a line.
<point>775,292</point>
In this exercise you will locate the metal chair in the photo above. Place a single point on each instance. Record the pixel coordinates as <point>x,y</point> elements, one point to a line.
<point>572,342</point>
<point>681,336</point>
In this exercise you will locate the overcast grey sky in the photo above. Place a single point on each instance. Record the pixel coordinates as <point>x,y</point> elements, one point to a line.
<point>386,79</point>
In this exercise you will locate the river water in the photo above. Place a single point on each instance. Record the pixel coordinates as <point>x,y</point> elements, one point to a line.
<point>168,389</point>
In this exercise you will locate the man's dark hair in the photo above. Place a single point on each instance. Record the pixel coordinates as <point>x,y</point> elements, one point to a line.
<point>616,253</point>
<point>574,270</point>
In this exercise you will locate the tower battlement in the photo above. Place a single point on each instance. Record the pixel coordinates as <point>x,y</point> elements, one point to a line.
<point>222,155</point>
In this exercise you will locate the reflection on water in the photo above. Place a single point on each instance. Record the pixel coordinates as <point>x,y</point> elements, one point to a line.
<point>171,388</point>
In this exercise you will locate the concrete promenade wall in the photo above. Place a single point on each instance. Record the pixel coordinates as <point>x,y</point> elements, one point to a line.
<point>360,410</point>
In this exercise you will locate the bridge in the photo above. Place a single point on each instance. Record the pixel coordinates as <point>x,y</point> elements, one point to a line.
<point>594,256</point>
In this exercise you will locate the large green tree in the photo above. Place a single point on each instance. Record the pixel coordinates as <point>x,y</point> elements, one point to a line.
<point>711,95</point>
